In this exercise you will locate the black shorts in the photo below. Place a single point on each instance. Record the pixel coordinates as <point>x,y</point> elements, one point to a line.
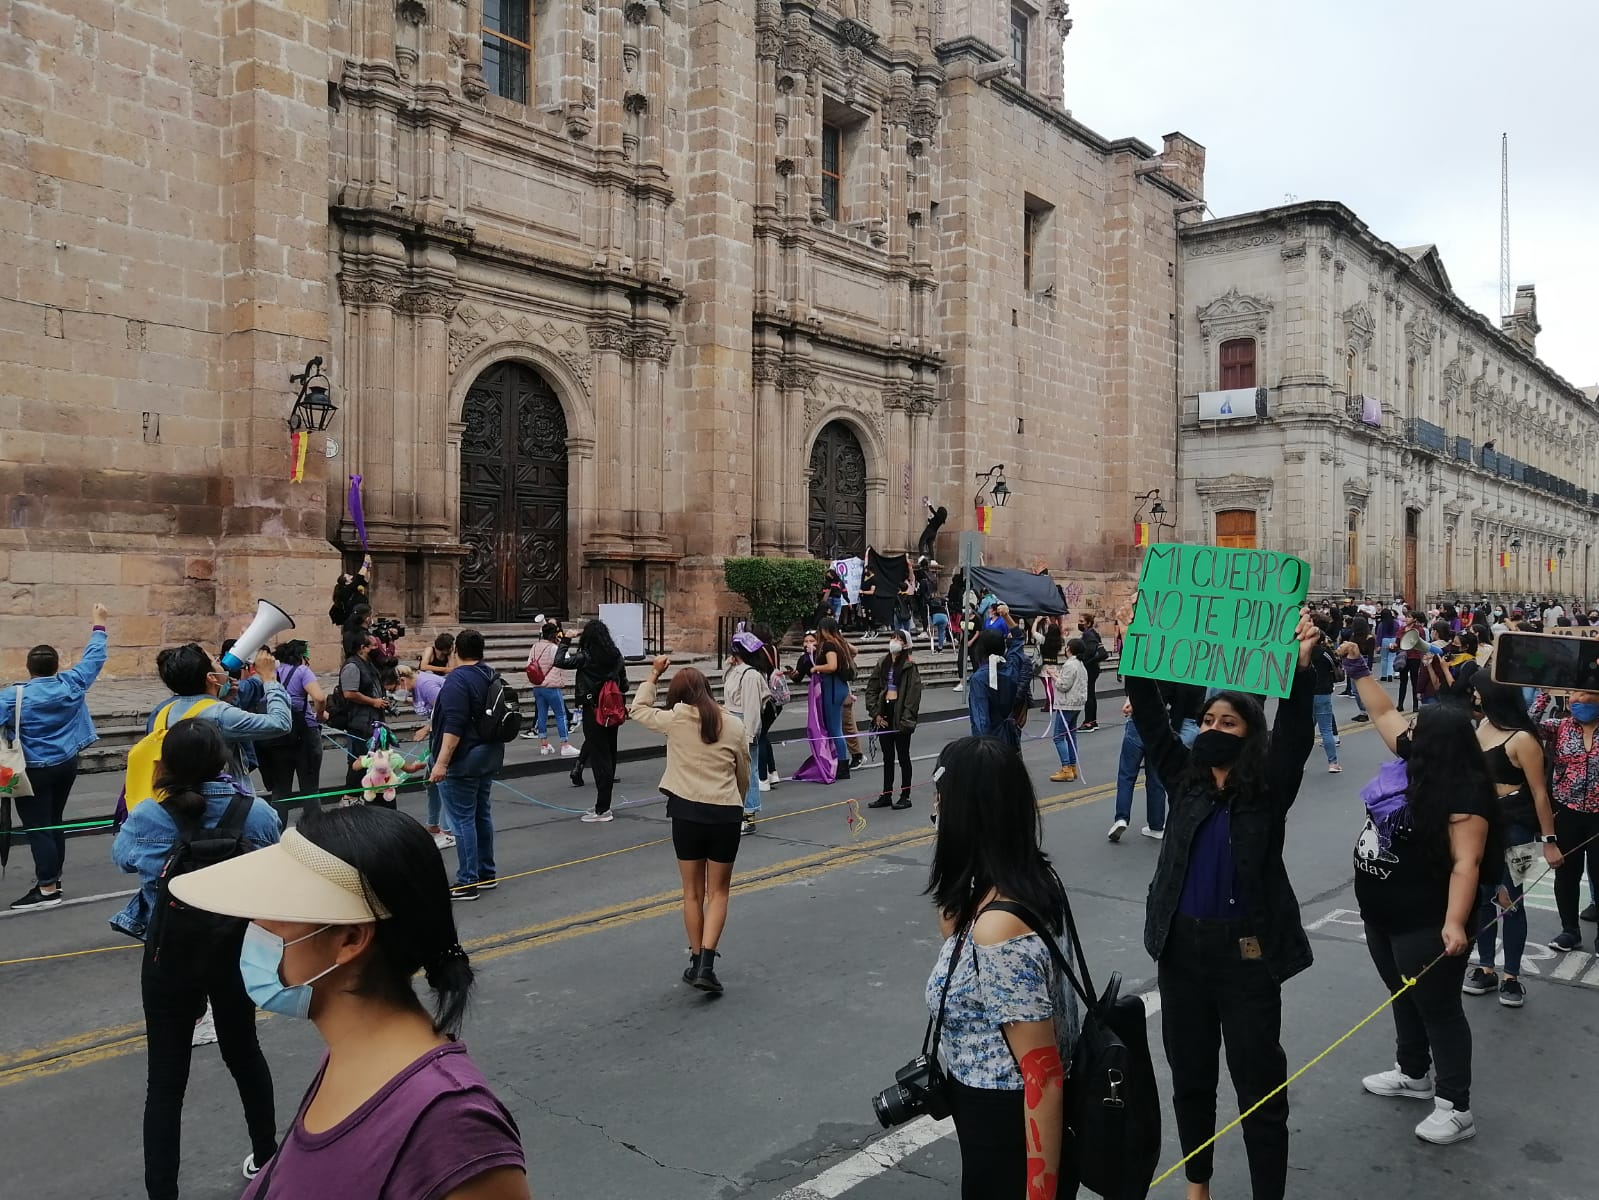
<point>697,840</point>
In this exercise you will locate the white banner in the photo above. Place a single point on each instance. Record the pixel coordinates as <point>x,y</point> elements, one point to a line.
<point>850,571</point>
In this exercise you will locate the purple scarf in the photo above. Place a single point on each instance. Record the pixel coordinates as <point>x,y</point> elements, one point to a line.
<point>1386,801</point>
<point>822,765</point>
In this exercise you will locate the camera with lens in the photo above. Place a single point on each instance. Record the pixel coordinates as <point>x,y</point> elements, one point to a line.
<point>918,1088</point>
<point>387,629</point>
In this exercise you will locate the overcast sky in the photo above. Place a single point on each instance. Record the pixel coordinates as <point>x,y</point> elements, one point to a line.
<point>1393,107</point>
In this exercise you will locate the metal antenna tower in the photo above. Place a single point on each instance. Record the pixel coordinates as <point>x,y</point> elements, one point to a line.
<point>1505,298</point>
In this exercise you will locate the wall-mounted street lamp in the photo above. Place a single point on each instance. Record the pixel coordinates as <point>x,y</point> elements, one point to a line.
<point>993,482</point>
<point>313,409</point>
<point>1157,510</point>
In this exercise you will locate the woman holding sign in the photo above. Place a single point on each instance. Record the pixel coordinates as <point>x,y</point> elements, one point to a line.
<point>1222,920</point>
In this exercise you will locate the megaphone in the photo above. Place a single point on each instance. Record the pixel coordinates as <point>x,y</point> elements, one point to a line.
<point>270,620</point>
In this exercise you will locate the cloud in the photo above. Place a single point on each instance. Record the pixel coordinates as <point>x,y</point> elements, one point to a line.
<point>1393,107</point>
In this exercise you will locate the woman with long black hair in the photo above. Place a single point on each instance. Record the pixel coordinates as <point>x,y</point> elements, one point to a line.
<point>1431,822</point>
<point>707,778</point>
<point>1010,1017</point>
<point>345,912</point>
<point>894,702</point>
<point>835,664</point>
<point>598,662</point>
<point>1222,921</point>
<point>1514,755</point>
<point>193,793</point>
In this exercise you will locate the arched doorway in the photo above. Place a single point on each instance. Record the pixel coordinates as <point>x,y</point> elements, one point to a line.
<point>513,497</point>
<point>838,493</point>
<point>1235,528</point>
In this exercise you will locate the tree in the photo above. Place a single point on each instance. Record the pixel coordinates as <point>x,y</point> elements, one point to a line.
<point>779,591</point>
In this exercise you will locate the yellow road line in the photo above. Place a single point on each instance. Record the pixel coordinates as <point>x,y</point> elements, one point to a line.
<point>115,1042</point>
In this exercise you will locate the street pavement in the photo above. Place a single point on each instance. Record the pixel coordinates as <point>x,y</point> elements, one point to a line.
<point>628,1084</point>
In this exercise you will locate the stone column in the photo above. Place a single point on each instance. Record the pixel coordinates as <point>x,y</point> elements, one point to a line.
<point>773,454</point>
<point>430,513</point>
<point>612,451</point>
<point>652,356</point>
<point>718,417</point>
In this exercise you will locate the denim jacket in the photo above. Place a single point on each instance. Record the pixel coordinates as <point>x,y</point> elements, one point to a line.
<point>148,835</point>
<point>55,714</point>
<point>238,726</point>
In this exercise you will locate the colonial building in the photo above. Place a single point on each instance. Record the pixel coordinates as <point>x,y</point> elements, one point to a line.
<point>1402,443</point>
<point>605,292</point>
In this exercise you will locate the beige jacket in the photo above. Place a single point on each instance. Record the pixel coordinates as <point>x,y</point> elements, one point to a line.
<point>718,774</point>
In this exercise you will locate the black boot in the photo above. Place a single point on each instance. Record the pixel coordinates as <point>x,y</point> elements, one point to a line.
<point>842,772</point>
<point>904,800</point>
<point>705,973</point>
<point>577,776</point>
<point>692,968</point>
<point>884,799</point>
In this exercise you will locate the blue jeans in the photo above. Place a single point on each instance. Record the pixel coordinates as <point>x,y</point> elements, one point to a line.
<point>1515,922</point>
<point>940,629</point>
<point>1324,722</point>
<point>835,605</point>
<point>436,818</point>
<point>1063,728</point>
<point>752,794</point>
<point>834,692</point>
<point>465,793</point>
<point>548,701</point>
<point>1385,665</point>
<point>1132,758</point>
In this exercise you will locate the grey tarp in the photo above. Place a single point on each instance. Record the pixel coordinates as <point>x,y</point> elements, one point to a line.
<point>1027,594</point>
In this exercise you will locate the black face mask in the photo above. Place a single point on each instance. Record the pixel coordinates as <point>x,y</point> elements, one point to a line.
<point>1217,748</point>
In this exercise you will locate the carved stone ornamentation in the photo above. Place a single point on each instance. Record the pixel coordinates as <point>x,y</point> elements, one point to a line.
<point>591,52</point>
<point>579,122</point>
<point>635,102</point>
<point>469,315</point>
<point>428,304</point>
<point>461,345</point>
<point>650,345</point>
<point>1270,237</point>
<point>581,366</point>
<point>412,12</point>
<point>785,167</point>
<point>1421,330</point>
<point>609,338</point>
<point>635,13</point>
<point>792,378</point>
<point>853,33</point>
<point>896,396</point>
<point>473,85</point>
<point>765,368</point>
<point>367,291</point>
<point>1359,326</point>
<point>457,46</point>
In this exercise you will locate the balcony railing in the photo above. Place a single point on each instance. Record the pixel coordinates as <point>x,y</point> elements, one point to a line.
<point>1463,449</point>
<point>1426,435</point>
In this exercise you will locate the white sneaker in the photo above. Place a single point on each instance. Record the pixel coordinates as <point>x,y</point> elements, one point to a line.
<point>249,1168</point>
<point>765,786</point>
<point>205,1029</point>
<point>568,750</point>
<point>528,736</point>
<point>443,840</point>
<point>774,779</point>
<point>1397,1083</point>
<point>546,748</point>
<point>1446,1124</point>
<point>1157,834</point>
<point>1116,830</point>
<point>592,817</point>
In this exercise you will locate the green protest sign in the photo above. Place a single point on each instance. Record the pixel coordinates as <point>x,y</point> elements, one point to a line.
<point>1217,618</point>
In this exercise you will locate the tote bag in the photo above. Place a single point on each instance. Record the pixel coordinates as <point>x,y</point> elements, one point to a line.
<point>13,766</point>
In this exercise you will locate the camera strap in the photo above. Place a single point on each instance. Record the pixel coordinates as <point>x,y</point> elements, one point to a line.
<point>935,1025</point>
<point>1084,987</point>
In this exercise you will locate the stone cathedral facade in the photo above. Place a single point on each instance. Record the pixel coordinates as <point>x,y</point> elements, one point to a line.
<point>606,291</point>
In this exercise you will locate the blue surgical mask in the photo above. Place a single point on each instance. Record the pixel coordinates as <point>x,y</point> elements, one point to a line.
<point>261,965</point>
<point>1585,713</point>
<point>224,687</point>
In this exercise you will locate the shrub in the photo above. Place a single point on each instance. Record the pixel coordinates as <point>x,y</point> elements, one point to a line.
<point>779,591</point>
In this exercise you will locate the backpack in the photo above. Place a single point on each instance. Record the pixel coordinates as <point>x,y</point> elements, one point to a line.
<point>298,729</point>
<point>340,710</point>
<point>184,942</point>
<point>609,711</point>
<point>537,670</point>
<point>778,682</point>
<point>1112,1103</point>
<point>501,719</point>
<point>138,780</point>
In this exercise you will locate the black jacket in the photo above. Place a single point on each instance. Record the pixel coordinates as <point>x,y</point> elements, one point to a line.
<point>909,685</point>
<point>1258,825</point>
<point>592,675</point>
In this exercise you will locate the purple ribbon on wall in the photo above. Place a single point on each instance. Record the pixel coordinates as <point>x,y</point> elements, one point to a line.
<point>357,516</point>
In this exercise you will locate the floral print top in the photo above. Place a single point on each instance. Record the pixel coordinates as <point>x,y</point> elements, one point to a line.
<point>994,986</point>
<point>1575,782</point>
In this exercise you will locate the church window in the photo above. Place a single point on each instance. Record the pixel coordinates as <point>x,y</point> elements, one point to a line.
<point>1021,27</point>
<point>832,168</point>
<point>1038,242</point>
<point>507,49</point>
<point>1237,363</point>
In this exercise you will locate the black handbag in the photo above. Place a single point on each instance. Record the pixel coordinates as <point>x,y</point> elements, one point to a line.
<point>1112,1133</point>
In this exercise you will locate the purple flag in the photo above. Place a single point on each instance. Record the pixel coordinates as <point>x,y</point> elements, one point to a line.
<point>357,516</point>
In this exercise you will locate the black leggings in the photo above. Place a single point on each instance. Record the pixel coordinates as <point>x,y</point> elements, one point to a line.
<point>282,765</point>
<point>1573,828</point>
<point>1410,672</point>
<point>599,755</point>
<point>1430,1026</point>
<point>171,1007</point>
<point>896,743</point>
